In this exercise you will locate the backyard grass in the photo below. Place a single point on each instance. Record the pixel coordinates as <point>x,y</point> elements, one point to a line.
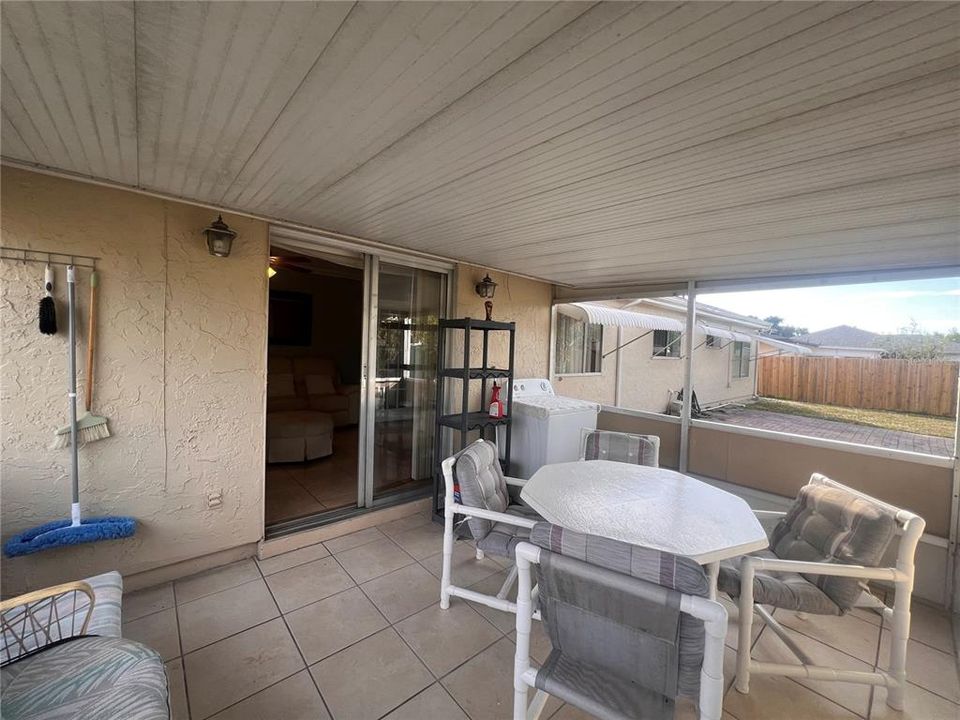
<point>887,419</point>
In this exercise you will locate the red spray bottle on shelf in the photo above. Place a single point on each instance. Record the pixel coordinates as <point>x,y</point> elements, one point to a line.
<point>496,407</point>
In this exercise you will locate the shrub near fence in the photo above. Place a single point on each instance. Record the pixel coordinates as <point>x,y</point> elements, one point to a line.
<point>927,387</point>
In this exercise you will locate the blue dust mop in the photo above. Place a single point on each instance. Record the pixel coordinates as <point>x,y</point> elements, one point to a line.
<point>61,533</point>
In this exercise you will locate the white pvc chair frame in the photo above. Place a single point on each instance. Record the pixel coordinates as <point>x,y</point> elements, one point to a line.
<point>713,614</point>
<point>910,528</point>
<point>451,508</point>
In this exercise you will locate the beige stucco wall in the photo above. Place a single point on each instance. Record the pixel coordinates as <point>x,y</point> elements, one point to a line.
<point>647,381</point>
<point>180,374</point>
<point>525,302</point>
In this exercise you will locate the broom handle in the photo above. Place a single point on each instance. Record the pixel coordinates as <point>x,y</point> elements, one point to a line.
<point>72,394</point>
<point>91,337</point>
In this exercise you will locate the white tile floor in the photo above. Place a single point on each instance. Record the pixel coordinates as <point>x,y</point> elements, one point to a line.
<point>350,630</point>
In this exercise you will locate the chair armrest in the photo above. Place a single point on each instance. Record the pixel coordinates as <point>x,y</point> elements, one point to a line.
<point>818,568</point>
<point>492,515</point>
<point>514,482</point>
<point>30,622</point>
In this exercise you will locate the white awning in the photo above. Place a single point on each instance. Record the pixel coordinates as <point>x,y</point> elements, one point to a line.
<point>784,346</point>
<point>725,334</point>
<point>604,315</point>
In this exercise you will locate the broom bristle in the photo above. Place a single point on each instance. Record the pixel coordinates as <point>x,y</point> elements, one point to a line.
<point>90,428</point>
<point>94,432</point>
<point>48,316</point>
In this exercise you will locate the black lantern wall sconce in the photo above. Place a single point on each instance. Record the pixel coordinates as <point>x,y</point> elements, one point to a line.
<point>219,237</point>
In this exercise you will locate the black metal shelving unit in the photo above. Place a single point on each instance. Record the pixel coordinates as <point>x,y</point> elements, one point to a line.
<point>467,420</point>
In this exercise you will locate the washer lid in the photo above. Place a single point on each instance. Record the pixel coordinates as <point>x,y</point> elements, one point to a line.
<point>546,405</point>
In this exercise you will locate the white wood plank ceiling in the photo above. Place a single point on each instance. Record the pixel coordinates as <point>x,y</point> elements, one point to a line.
<point>588,144</point>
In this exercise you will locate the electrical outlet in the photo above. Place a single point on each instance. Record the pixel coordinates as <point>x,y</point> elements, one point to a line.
<point>214,499</point>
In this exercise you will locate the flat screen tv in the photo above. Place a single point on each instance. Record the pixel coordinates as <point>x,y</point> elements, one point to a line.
<point>291,318</point>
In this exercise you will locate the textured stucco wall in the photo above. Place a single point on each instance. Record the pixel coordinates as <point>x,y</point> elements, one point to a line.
<point>525,302</point>
<point>180,374</point>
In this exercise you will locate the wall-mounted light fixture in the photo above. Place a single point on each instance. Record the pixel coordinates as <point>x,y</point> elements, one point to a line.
<point>219,237</point>
<point>271,270</point>
<point>485,289</point>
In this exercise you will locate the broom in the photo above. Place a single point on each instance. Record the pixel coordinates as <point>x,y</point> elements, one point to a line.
<point>89,427</point>
<point>75,529</point>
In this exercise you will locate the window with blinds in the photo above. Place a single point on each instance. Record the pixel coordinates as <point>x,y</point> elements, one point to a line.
<point>741,359</point>
<point>579,346</point>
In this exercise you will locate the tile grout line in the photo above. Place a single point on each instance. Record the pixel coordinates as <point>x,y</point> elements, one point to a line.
<point>293,639</point>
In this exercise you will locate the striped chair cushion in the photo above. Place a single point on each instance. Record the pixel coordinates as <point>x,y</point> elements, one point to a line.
<point>481,484</point>
<point>503,538</point>
<point>94,678</point>
<point>672,572</point>
<point>622,447</point>
<point>831,524</point>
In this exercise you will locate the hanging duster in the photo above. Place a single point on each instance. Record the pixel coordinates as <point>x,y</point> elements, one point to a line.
<point>48,309</point>
<point>75,530</point>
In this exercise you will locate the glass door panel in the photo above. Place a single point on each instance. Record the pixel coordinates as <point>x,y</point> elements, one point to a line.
<point>409,303</point>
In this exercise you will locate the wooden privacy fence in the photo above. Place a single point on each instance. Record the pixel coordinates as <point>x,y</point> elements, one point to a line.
<point>928,387</point>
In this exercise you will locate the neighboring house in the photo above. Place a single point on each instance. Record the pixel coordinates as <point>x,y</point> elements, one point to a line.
<point>849,341</point>
<point>629,353</point>
<point>842,341</point>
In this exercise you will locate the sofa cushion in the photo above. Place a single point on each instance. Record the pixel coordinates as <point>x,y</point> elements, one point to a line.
<point>298,424</point>
<point>279,364</point>
<point>281,404</point>
<point>329,403</point>
<point>831,524</point>
<point>320,385</point>
<point>94,678</point>
<point>307,365</point>
<point>280,385</point>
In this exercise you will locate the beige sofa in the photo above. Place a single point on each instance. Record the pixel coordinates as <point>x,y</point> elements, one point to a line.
<point>311,383</point>
<point>305,401</point>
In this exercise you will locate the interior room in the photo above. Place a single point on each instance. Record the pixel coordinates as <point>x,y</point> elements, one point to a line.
<point>313,383</point>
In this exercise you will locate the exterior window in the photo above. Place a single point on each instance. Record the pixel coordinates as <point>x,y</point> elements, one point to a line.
<point>579,346</point>
<point>713,341</point>
<point>666,343</point>
<point>741,359</point>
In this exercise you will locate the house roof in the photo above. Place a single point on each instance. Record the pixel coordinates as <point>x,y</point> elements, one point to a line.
<point>709,311</point>
<point>588,144</point>
<point>846,336</point>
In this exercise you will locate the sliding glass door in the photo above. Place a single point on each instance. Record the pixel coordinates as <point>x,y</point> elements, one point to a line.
<point>406,304</point>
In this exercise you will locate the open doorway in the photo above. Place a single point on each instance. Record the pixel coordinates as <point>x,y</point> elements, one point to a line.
<point>314,365</point>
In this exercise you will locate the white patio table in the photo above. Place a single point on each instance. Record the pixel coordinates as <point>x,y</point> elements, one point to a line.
<point>649,506</point>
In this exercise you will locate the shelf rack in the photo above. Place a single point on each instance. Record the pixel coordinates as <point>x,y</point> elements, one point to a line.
<point>467,420</point>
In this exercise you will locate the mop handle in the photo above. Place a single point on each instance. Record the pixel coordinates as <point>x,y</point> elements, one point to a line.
<point>72,394</point>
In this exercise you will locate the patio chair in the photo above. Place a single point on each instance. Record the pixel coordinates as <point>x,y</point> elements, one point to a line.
<point>620,447</point>
<point>822,552</point>
<point>476,487</point>
<point>632,630</point>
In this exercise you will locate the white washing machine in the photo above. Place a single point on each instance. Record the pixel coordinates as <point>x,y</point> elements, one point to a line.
<point>546,427</point>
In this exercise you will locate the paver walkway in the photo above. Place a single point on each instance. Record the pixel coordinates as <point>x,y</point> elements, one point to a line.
<point>833,430</point>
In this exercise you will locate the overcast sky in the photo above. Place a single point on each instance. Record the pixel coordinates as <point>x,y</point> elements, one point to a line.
<point>878,307</point>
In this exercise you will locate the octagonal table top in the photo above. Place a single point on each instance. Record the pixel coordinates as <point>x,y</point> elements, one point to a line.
<point>649,506</point>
